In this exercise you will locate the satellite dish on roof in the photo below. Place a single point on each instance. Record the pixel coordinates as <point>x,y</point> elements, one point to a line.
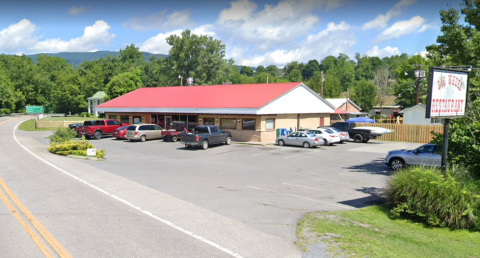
<point>189,81</point>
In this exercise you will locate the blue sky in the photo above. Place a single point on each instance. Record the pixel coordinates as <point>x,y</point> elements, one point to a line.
<point>255,32</point>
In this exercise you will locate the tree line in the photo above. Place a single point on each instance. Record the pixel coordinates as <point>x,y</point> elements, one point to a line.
<point>61,87</point>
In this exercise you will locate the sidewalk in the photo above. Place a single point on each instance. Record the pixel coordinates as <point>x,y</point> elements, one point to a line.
<point>255,143</point>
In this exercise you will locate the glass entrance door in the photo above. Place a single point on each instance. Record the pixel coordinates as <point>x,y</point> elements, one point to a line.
<point>168,122</point>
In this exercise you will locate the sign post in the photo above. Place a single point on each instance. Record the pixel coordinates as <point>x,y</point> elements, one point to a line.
<point>447,98</point>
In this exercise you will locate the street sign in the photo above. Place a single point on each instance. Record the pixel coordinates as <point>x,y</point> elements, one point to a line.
<point>34,109</point>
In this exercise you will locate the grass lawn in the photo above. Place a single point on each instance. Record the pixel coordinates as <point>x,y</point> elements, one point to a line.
<point>29,125</point>
<point>369,232</point>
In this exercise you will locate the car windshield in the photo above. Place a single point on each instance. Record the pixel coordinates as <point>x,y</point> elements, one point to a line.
<point>334,129</point>
<point>311,135</point>
<point>200,129</point>
<point>329,131</point>
<point>122,128</point>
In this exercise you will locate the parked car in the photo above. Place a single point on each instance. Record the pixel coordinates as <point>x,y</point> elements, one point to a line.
<point>172,134</point>
<point>425,155</point>
<point>328,136</point>
<point>304,139</point>
<point>344,136</point>
<point>98,128</point>
<point>143,132</point>
<point>75,126</point>
<point>358,135</point>
<point>120,132</point>
<point>206,135</point>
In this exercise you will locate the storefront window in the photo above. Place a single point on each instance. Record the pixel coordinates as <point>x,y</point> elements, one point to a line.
<point>208,121</point>
<point>248,124</point>
<point>228,123</point>
<point>270,124</point>
<point>124,119</point>
<point>153,119</point>
<point>113,117</point>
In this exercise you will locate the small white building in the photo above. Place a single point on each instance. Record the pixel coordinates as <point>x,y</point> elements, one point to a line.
<point>94,101</point>
<point>416,116</point>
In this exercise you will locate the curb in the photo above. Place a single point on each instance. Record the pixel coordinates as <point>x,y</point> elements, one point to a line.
<point>85,158</point>
<point>254,143</point>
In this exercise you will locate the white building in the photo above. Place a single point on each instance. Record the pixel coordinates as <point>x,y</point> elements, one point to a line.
<point>94,101</point>
<point>416,116</point>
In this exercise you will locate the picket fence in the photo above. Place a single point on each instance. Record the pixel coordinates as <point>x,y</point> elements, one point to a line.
<point>406,133</point>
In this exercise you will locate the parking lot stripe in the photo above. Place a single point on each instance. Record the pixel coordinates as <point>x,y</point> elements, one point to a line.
<point>171,224</point>
<point>306,187</point>
<point>301,197</point>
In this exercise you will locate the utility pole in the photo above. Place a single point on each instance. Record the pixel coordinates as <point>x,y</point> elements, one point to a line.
<point>419,76</point>
<point>321,91</point>
<point>346,104</point>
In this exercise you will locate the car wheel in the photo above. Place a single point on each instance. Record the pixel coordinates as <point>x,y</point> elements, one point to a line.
<point>165,139</point>
<point>205,144</point>
<point>281,143</point>
<point>306,145</point>
<point>143,138</point>
<point>228,141</point>
<point>366,140</point>
<point>358,138</point>
<point>174,138</point>
<point>98,135</point>
<point>397,164</point>
<point>325,142</point>
<point>341,141</point>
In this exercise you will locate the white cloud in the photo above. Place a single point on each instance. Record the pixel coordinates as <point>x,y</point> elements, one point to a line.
<point>401,28</point>
<point>76,10</point>
<point>280,25</point>
<point>426,27</point>
<point>17,37</point>
<point>421,53</point>
<point>387,51</point>
<point>158,44</point>
<point>335,39</point>
<point>93,36</point>
<point>161,21</point>
<point>381,20</point>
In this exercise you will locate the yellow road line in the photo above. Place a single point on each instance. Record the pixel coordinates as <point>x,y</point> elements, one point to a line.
<point>36,239</point>
<point>59,249</point>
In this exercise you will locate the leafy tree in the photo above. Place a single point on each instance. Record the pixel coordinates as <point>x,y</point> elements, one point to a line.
<point>364,94</point>
<point>196,56</point>
<point>260,69</point>
<point>331,86</point>
<point>310,69</point>
<point>66,94</point>
<point>295,65</point>
<point>153,73</point>
<point>8,95</point>
<point>295,76</point>
<point>246,71</point>
<point>123,83</point>
<point>20,70</point>
<point>272,70</point>
<point>91,78</point>
<point>132,56</point>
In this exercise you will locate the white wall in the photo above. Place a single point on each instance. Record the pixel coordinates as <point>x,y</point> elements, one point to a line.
<point>298,101</point>
<point>416,116</point>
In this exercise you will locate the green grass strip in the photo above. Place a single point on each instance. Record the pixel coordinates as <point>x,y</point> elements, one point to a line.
<point>29,125</point>
<point>369,232</point>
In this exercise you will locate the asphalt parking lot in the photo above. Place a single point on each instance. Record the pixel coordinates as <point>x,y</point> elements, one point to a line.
<point>267,187</point>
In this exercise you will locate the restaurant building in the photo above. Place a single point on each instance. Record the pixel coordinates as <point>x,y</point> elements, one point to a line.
<point>252,112</point>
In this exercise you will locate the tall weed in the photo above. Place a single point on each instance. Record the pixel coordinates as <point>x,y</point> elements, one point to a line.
<point>445,200</point>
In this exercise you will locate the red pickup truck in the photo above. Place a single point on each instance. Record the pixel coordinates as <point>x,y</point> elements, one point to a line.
<point>172,134</point>
<point>98,128</point>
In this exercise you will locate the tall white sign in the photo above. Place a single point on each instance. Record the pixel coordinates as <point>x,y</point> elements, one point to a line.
<point>447,93</point>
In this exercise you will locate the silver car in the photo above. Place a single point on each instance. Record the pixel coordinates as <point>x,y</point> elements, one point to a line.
<point>425,155</point>
<point>304,139</point>
<point>143,132</point>
<point>344,136</point>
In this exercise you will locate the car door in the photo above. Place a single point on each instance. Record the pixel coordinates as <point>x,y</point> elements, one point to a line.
<point>290,139</point>
<point>214,135</point>
<point>301,138</point>
<point>423,156</point>
<point>157,131</point>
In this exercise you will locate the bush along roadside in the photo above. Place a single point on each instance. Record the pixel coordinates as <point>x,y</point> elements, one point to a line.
<point>62,143</point>
<point>444,200</point>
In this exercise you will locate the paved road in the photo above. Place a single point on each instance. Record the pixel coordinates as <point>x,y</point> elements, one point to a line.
<point>84,210</point>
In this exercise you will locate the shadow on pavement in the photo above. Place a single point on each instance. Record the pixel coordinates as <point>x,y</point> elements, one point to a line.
<point>376,167</point>
<point>375,198</point>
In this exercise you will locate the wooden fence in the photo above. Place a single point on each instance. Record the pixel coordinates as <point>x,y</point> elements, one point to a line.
<point>406,133</point>
<point>55,124</point>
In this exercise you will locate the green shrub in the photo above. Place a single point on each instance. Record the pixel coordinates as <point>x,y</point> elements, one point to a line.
<point>5,111</point>
<point>445,200</point>
<point>86,114</point>
<point>73,147</point>
<point>62,134</point>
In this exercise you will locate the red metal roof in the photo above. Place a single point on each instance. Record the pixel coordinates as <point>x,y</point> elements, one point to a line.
<point>340,111</point>
<point>215,96</point>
